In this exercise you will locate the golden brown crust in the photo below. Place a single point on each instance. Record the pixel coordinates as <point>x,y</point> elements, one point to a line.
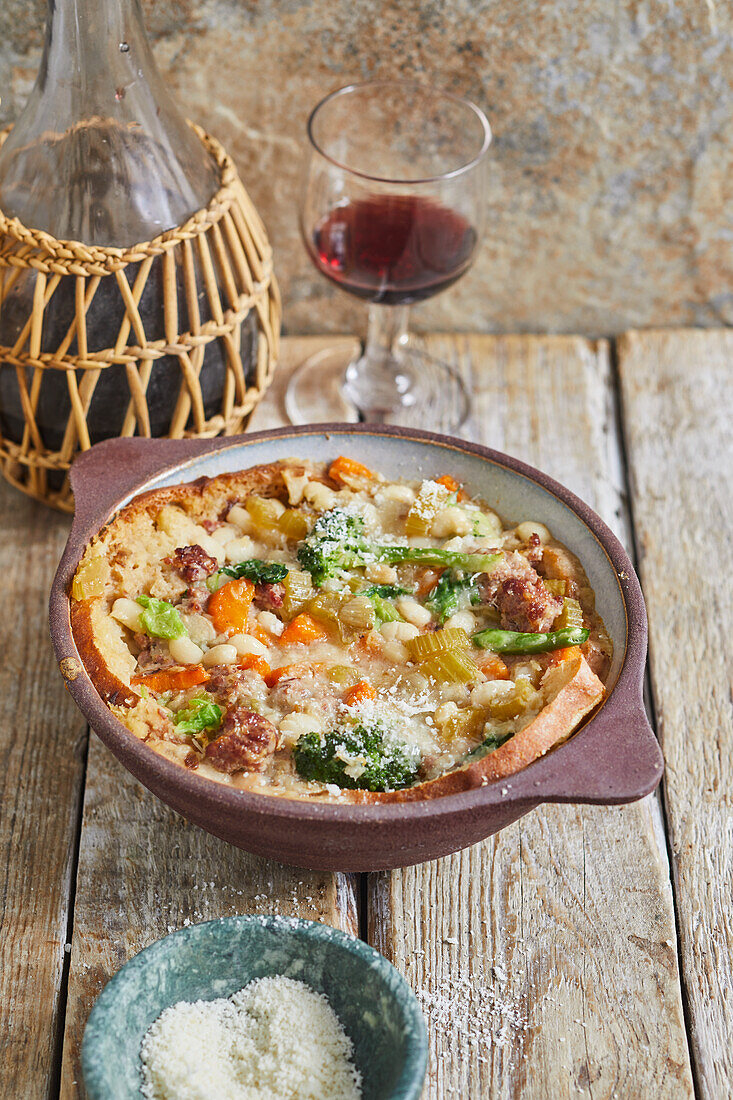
<point>266,480</point>
<point>109,686</point>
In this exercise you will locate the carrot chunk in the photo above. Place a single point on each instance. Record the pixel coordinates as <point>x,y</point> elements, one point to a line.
<point>304,629</point>
<point>344,470</point>
<point>290,672</point>
<point>494,668</point>
<point>230,604</point>
<point>570,653</point>
<point>172,679</point>
<point>257,664</point>
<point>360,693</point>
<point>451,485</point>
<point>427,579</point>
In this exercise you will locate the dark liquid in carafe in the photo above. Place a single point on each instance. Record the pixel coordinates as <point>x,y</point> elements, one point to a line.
<point>93,185</point>
<point>111,398</point>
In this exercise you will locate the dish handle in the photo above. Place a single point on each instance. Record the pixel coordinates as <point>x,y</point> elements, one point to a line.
<point>616,758</point>
<point>106,474</point>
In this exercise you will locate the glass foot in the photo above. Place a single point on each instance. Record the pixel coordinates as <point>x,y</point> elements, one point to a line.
<point>426,392</point>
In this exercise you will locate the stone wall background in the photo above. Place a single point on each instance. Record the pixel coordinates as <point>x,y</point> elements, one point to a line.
<point>611,194</point>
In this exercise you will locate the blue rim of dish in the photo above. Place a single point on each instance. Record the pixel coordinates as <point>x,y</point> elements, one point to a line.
<point>410,1083</point>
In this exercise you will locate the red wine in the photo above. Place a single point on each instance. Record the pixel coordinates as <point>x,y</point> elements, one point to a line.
<point>394,249</point>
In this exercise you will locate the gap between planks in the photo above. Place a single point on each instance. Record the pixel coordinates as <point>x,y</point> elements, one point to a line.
<point>43,743</point>
<point>678,407</point>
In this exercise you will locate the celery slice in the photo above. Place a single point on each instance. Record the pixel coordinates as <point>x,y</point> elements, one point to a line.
<point>264,512</point>
<point>452,666</point>
<point>89,579</point>
<point>468,722</point>
<point>298,589</point>
<point>428,502</point>
<point>570,616</point>
<point>293,525</point>
<point>426,645</point>
<point>522,698</point>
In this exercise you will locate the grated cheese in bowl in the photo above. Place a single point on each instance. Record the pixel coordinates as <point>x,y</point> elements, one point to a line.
<point>276,1039</point>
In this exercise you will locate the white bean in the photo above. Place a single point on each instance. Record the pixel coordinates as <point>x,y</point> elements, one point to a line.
<point>240,549</point>
<point>445,712</point>
<point>462,620</point>
<point>450,521</point>
<point>293,726</point>
<point>399,632</point>
<point>127,612</point>
<point>225,533</point>
<point>241,518</point>
<point>245,645</point>
<point>320,496</point>
<point>490,691</point>
<point>270,622</point>
<point>402,493</point>
<point>381,574</point>
<point>220,655</point>
<point>395,652</point>
<point>414,612</point>
<point>200,629</point>
<point>184,651</point>
<point>525,530</point>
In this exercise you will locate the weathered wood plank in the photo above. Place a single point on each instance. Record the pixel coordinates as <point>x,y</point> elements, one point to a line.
<point>42,747</point>
<point>678,406</point>
<point>545,957</point>
<point>144,871</point>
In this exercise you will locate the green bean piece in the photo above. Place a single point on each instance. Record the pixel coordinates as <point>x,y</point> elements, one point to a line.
<point>511,641</point>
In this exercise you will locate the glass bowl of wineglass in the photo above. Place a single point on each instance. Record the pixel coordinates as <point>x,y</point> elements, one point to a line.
<point>393,211</point>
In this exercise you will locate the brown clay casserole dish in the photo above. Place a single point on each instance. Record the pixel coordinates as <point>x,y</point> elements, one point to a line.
<point>461,791</point>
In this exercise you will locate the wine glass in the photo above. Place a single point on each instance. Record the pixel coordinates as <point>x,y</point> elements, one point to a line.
<point>393,211</point>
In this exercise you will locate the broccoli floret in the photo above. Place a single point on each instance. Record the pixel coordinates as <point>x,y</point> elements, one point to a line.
<point>337,542</point>
<point>451,593</point>
<point>388,764</point>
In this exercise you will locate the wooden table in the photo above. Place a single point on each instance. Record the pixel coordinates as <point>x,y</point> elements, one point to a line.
<point>563,957</point>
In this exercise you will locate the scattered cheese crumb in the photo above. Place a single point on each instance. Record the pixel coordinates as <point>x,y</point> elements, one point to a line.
<point>276,1039</point>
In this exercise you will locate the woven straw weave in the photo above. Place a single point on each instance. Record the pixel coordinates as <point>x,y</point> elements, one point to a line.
<point>222,250</point>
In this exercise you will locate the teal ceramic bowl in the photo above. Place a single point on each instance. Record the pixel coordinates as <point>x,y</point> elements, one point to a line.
<point>374,1003</point>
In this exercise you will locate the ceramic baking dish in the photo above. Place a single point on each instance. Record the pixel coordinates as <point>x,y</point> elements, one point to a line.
<point>614,757</point>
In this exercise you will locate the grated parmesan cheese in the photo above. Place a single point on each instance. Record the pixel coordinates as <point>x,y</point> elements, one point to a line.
<point>276,1039</point>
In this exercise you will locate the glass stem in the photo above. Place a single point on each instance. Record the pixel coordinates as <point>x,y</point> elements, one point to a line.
<point>386,330</point>
<point>379,382</point>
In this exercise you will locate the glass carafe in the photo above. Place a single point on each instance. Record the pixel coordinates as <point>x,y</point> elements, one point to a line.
<point>101,154</point>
